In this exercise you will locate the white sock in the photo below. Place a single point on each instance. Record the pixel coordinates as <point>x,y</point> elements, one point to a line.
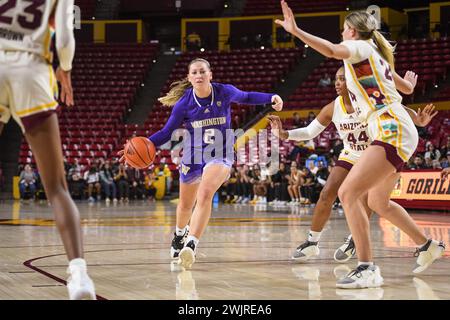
<point>190,237</point>
<point>362,263</point>
<point>77,263</point>
<point>179,231</point>
<point>314,236</point>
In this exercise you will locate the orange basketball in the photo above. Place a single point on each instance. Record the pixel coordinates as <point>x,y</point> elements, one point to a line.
<point>140,152</point>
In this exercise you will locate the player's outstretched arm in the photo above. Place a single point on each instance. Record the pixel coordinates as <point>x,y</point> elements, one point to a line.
<point>325,47</point>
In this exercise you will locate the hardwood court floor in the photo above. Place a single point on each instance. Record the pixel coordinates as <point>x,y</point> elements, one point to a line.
<point>244,254</point>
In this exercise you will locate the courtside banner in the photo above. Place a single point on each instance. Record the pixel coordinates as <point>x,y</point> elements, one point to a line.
<point>422,186</point>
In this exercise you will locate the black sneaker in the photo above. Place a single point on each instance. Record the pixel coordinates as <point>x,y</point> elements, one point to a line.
<point>178,244</point>
<point>346,251</point>
<point>306,250</point>
<point>187,255</point>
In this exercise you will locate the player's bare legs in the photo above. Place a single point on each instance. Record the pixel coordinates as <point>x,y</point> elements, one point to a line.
<point>213,177</point>
<point>328,195</point>
<point>379,201</point>
<point>321,215</point>
<point>188,192</point>
<point>44,140</point>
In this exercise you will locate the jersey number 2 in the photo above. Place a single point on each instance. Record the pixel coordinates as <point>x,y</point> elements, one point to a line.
<point>23,20</point>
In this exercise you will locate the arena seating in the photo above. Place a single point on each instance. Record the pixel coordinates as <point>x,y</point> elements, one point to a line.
<point>106,78</point>
<point>269,7</point>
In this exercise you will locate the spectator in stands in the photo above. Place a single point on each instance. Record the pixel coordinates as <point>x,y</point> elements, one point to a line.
<point>312,167</point>
<point>294,182</point>
<point>446,147</point>
<point>149,185</point>
<point>445,161</point>
<point>279,184</point>
<point>297,122</point>
<point>136,183</point>
<point>307,184</point>
<point>417,164</point>
<point>193,41</point>
<point>107,182</point>
<point>259,183</point>
<point>76,181</point>
<point>245,188</point>
<point>27,182</point>
<point>432,152</point>
<point>121,179</point>
<point>230,187</point>
<point>435,164</point>
<point>92,179</point>
<point>325,81</point>
<point>311,117</point>
<point>164,171</point>
<point>168,175</point>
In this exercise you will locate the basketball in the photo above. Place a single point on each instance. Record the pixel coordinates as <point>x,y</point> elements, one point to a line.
<point>140,152</point>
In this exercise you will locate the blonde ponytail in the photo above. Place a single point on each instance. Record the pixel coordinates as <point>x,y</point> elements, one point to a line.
<point>386,49</point>
<point>366,26</point>
<point>177,90</point>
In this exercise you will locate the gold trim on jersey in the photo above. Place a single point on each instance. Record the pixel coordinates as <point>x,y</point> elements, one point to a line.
<point>43,107</point>
<point>377,77</point>
<point>346,160</point>
<point>364,93</point>
<point>341,102</point>
<point>399,139</point>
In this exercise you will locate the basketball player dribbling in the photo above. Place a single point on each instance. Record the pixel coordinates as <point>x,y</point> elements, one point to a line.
<point>204,109</point>
<point>355,139</point>
<point>372,84</point>
<point>27,88</point>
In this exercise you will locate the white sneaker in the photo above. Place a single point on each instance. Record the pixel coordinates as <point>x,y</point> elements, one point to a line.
<point>426,255</point>
<point>363,276</point>
<point>187,255</point>
<point>345,251</point>
<point>305,251</point>
<point>79,285</point>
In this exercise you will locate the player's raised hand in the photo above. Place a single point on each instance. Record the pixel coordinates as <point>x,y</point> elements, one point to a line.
<point>277,127</point>
<point>277,103</point>
<point>425,116</point>
<point>288,23</point>
<point>411,77</point>
<point>66,94</point>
